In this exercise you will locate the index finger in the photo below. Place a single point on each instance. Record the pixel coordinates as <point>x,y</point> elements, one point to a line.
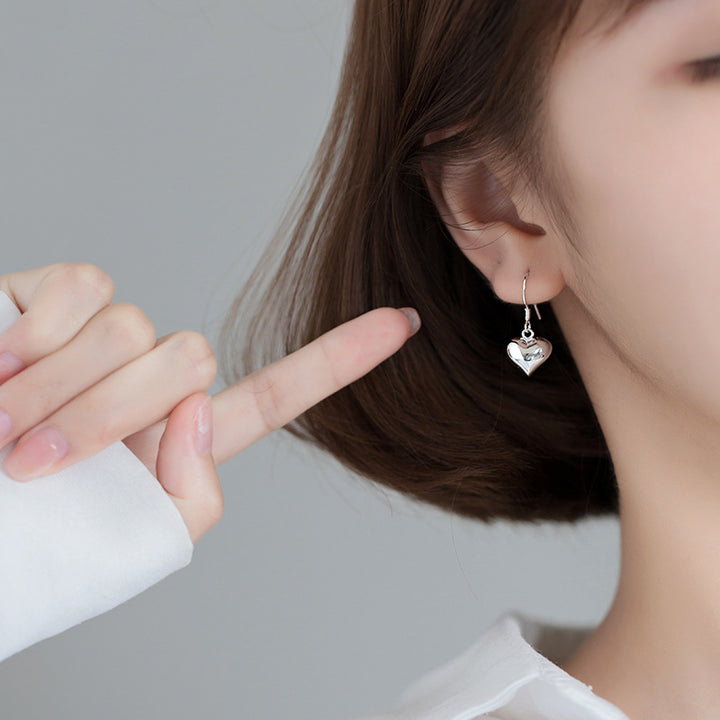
<point>275,394</point>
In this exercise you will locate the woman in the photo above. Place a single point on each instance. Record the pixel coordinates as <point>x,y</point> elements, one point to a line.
<point>567,149</point>
<point>484,154</point>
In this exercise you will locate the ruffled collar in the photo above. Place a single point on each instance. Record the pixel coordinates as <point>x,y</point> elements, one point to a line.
<point>511,673</point>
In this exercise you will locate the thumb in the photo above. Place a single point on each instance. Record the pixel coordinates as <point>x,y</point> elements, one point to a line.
<point>186,468</point>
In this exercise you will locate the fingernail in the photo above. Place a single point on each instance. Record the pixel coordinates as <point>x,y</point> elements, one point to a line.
<point>36,453</point>
<point>203,428</point>
<point>413,318</point>
<point>9,365</point>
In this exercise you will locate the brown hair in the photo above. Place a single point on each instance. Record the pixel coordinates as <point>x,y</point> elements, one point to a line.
<point>446,419</point>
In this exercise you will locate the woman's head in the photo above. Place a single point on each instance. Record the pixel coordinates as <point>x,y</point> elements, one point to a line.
<point>471,140</point>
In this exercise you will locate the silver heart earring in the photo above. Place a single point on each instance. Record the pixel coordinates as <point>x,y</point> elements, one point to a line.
<point>529,352</point>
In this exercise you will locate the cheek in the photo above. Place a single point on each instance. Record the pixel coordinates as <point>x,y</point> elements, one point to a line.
<point>647,208</point>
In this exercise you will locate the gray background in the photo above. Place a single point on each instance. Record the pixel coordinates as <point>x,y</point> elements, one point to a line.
<point>160,139</point>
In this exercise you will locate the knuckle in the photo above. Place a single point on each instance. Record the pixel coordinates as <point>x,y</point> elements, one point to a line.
<point>90,276</point>
<point>267,401</point>
<point>42,402</point>
<point>197,355</point>
<point>127,324</point>
<point>214,505</point>
<point>322,343</point>
<point>106,431</point>
<point>44,334</point>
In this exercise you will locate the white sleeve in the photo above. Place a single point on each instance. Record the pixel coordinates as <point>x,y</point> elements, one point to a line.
<point>82,541</point>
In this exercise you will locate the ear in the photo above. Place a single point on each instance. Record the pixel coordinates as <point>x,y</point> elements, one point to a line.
<point>482,218</point>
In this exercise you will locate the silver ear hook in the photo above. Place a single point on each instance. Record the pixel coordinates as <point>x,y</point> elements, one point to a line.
<point>527,309</point>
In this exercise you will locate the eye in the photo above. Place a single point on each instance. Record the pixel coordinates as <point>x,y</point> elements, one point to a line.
<point>705,69</point>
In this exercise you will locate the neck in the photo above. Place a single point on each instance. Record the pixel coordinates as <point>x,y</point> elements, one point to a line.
<point>657,651</point>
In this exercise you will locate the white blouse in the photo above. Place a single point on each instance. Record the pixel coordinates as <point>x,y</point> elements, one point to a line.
<point>81,541</point>
<point>511,673</point>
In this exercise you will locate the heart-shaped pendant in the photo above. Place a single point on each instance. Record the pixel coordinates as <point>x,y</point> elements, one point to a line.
<point>529,355</point>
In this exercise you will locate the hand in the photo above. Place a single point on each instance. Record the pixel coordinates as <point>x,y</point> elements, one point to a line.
<point>104,377</point>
